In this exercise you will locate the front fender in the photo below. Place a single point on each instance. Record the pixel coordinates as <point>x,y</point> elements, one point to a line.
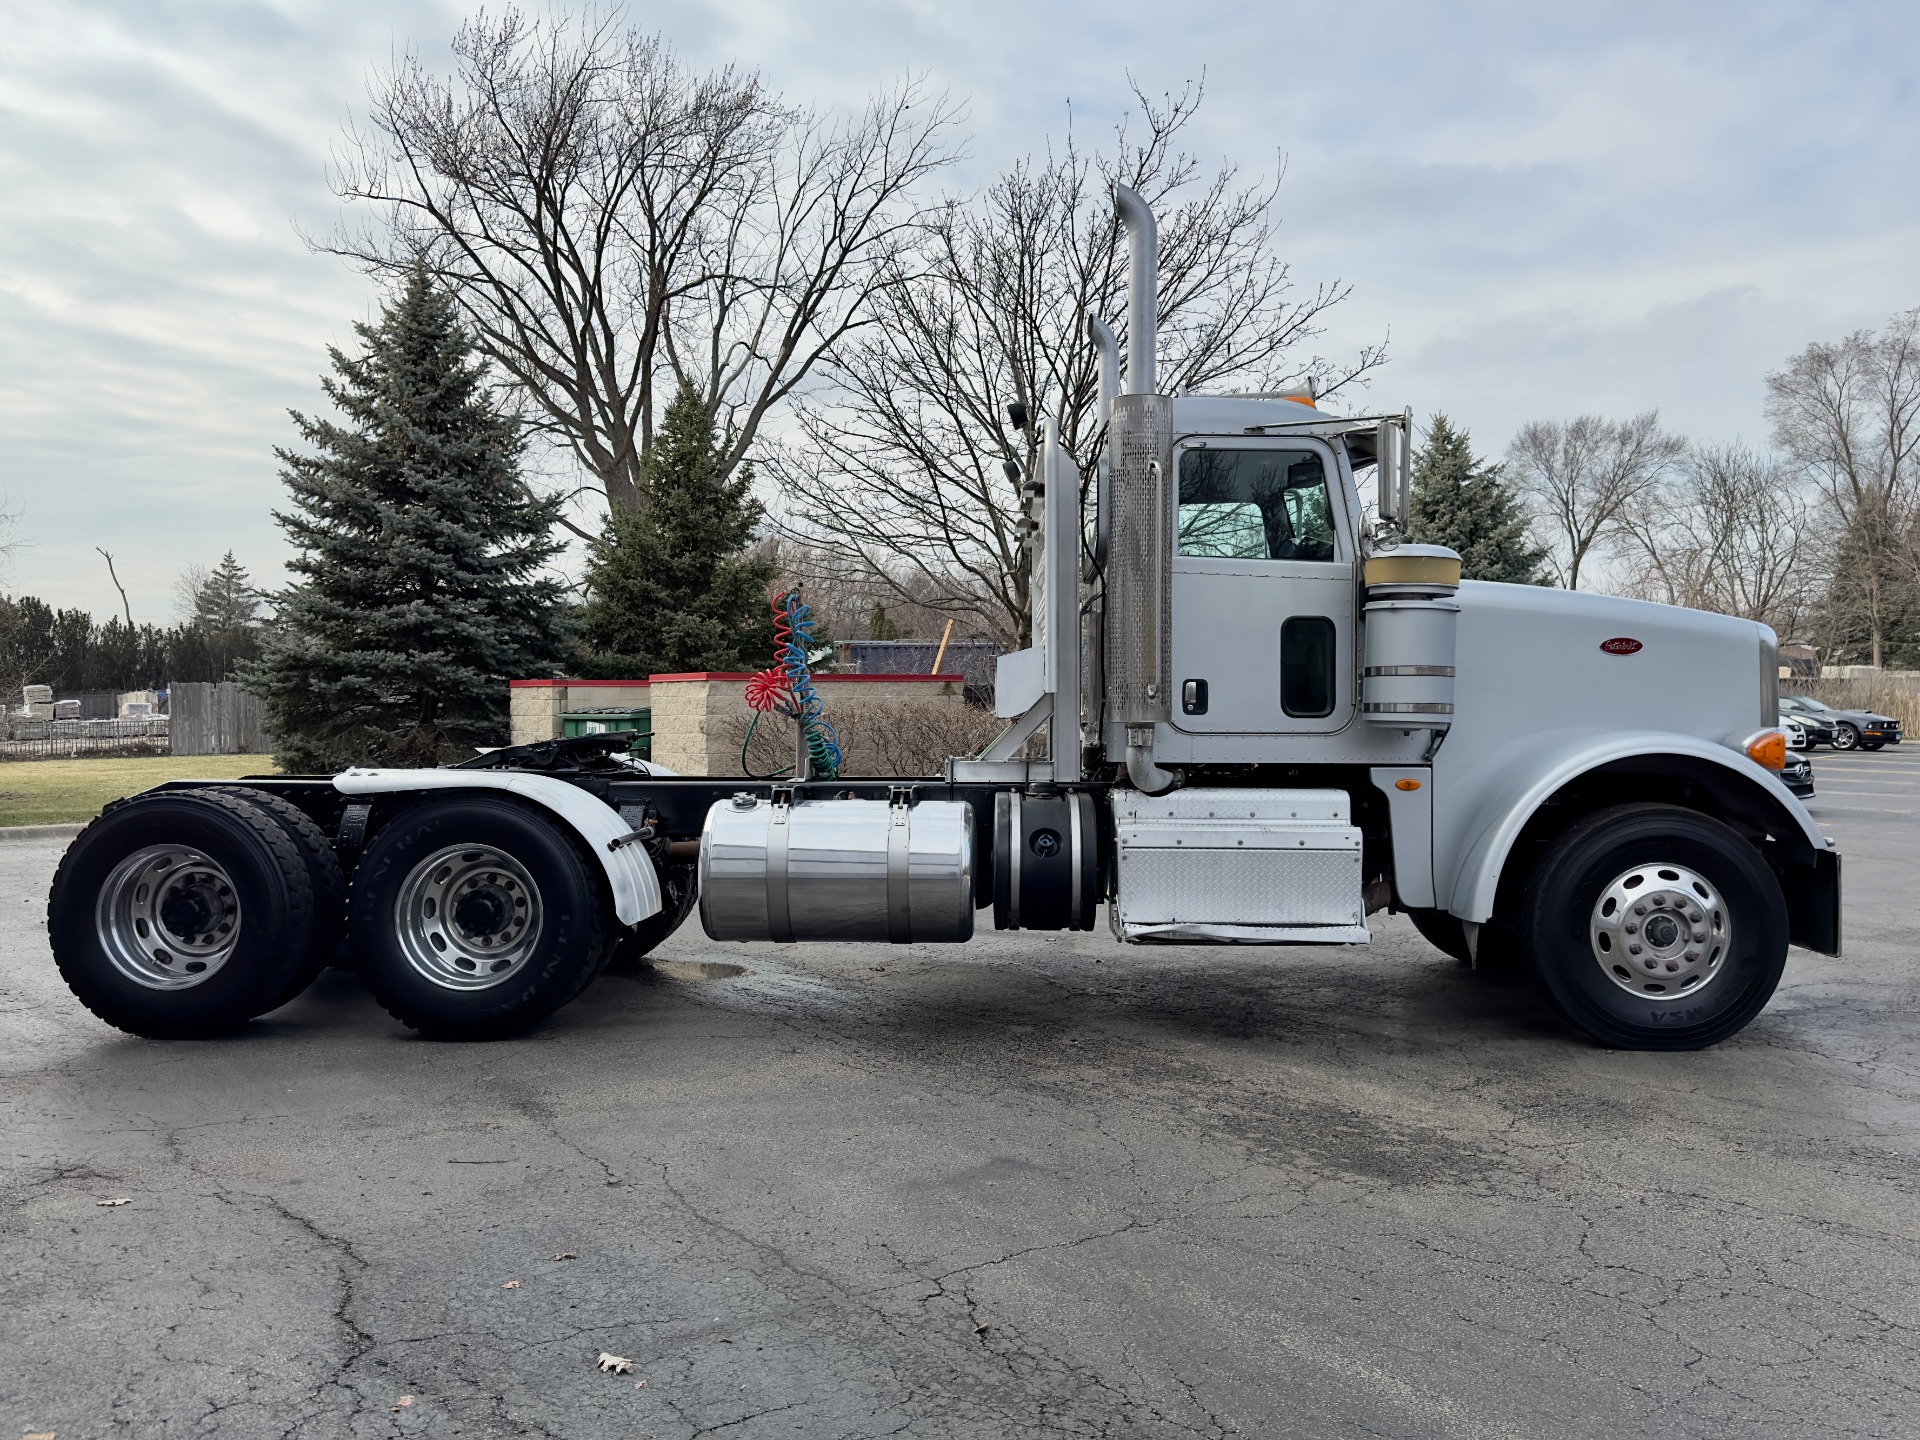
<point>629,870</point>
<point>1495,800</point>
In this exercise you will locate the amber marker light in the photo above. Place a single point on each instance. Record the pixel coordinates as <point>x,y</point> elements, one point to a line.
<point>1406,784</point>
<point>1768,750</point>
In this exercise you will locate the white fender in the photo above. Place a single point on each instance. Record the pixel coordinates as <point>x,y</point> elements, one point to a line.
<point>629,870</point>
<point>1502,795</point>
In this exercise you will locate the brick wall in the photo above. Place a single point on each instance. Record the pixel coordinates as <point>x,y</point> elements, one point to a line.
<point>694,716</point>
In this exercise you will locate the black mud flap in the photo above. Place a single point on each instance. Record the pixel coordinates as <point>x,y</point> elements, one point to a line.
<point>1813,903</point>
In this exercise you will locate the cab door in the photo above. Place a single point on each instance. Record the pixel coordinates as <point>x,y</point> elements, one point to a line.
<point>1262,589</point>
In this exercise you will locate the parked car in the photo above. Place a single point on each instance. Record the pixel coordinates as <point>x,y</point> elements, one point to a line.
<point>1852,729</point>
<point>1818,728</point>
<point>1797,775</point>
<point>1799,736</point>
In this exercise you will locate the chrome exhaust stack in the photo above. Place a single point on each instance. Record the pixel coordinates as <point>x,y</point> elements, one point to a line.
<point>1141,523</point>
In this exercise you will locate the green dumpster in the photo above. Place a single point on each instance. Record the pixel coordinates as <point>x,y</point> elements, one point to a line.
<point>613,718</point>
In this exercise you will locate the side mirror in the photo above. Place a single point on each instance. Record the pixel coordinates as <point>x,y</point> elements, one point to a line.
<point>1393,450</point>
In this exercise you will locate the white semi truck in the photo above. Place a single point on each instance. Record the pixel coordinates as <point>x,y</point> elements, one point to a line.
<point>1261,726</point>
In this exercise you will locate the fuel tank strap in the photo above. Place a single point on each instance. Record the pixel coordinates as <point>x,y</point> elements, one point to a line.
<point>779,916</point>
<point>899,907</point>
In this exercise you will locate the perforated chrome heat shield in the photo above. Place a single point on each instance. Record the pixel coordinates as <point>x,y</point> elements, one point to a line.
<point>1139,580</point>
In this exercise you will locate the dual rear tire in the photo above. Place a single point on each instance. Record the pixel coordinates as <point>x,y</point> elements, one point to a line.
<point>181,914</point>
<point>187,913</point>
<point>476,918</point>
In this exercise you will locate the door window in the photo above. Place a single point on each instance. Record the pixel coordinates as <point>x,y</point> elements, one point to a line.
<point>1307,661</point>
<point>1254,505</point>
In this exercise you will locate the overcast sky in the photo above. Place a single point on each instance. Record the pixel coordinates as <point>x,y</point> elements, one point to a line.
<point>1555,209</point>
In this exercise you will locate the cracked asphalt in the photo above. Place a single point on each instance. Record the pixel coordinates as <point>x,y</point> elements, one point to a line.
<point>1029,1187</point>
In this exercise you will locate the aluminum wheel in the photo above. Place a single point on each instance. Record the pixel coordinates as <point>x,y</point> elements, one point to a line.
<point>1660,930</point>
<point>168,917</point>
<point>468,917</point>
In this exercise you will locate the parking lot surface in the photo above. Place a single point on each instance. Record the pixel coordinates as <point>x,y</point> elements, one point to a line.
<point>1029,1187</point>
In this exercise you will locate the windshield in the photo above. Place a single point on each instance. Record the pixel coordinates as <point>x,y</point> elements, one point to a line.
<point>1807,702</point>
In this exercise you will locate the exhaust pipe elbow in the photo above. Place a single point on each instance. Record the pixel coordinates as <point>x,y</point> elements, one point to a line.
<point>1147,777</point>
<point>1143,288</point>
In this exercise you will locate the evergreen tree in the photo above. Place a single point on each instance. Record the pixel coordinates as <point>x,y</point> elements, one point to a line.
<point>1466,504</point>
<point>225,600</point>
<point>223,630</point>
<point>880,625</point>
<point>420,557</point>
<point>672,586</point>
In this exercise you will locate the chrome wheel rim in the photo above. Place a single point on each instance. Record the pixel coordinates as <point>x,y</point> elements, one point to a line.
<point>1845,737</point>
<point>468,917</point>
<point>168,917</point>
<point>1660,931</point>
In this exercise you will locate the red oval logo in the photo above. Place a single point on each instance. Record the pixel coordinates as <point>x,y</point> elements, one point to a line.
<point>1620,645</point>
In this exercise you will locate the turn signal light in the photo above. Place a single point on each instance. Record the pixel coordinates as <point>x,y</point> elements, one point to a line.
<point>1768,750</point>
<point>1406,784</point>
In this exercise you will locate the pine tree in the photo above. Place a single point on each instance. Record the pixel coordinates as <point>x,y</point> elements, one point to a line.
<point>223,631</point>
<point>226,600</point>
<point>880,625</point>
<point>420,557</point>
<point>1465,504</point>
<point>672,586</point>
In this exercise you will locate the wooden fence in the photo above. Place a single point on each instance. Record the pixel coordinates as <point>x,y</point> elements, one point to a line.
<point>219,719</point>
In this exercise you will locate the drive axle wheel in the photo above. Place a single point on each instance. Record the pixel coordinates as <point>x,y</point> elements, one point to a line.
<point>1845,737</point>
<point>182,913</point>
<point>476,917</point>
<point>1655,928</point>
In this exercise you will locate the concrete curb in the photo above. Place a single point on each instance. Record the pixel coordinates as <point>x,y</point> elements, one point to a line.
<point>31,834</point>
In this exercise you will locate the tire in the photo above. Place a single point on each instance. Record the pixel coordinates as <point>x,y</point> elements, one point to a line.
<point>680,891</point>
<point>519,907</point>
<point>1443,932</point>
<point>1845,737</point>
<point>1689,992</point>
<point>217,881</point>
<point>323,873</point>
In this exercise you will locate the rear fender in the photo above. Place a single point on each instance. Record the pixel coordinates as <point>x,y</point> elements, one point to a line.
<point>628,868</point>
<point>1498,802</point>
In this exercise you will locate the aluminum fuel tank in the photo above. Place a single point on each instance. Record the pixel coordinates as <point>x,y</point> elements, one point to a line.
<point>837,870</point>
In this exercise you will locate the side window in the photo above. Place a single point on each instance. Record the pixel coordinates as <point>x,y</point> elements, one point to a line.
<point>1307,666</point>
<point>1255,505</point>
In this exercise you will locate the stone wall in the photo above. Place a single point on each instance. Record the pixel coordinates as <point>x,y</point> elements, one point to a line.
<point>695,717</point>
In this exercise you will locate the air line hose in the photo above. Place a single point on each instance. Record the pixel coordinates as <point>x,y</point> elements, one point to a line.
<point>787,685</point>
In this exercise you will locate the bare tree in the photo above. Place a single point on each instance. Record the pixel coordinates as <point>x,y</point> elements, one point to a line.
<point>611,223</point>
<point>1582,477</point>
<point>902,461</point>
<point>1731,533</point>
<point>1850,412</point>
<point>114,575</point>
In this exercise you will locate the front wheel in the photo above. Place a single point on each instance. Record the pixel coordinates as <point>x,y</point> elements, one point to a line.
<point>1845,737</point>
<point>475,918</point>
<point>1655,928</point>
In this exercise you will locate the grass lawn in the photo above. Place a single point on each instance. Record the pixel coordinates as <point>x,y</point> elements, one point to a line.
<point>57,792</point>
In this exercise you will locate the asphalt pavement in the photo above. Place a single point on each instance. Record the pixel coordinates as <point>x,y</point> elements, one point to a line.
<point>1028,1187</point>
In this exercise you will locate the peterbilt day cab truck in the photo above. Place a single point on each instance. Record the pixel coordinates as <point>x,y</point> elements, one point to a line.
<point>1262,725</point>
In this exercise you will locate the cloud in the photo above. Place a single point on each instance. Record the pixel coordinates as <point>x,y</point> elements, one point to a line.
<point>1554,209</point>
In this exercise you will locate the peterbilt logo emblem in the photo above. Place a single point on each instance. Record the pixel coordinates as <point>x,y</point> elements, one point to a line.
<point>1620,645</point>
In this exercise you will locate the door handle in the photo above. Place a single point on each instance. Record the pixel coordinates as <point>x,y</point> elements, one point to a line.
<point>1193,697</point>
